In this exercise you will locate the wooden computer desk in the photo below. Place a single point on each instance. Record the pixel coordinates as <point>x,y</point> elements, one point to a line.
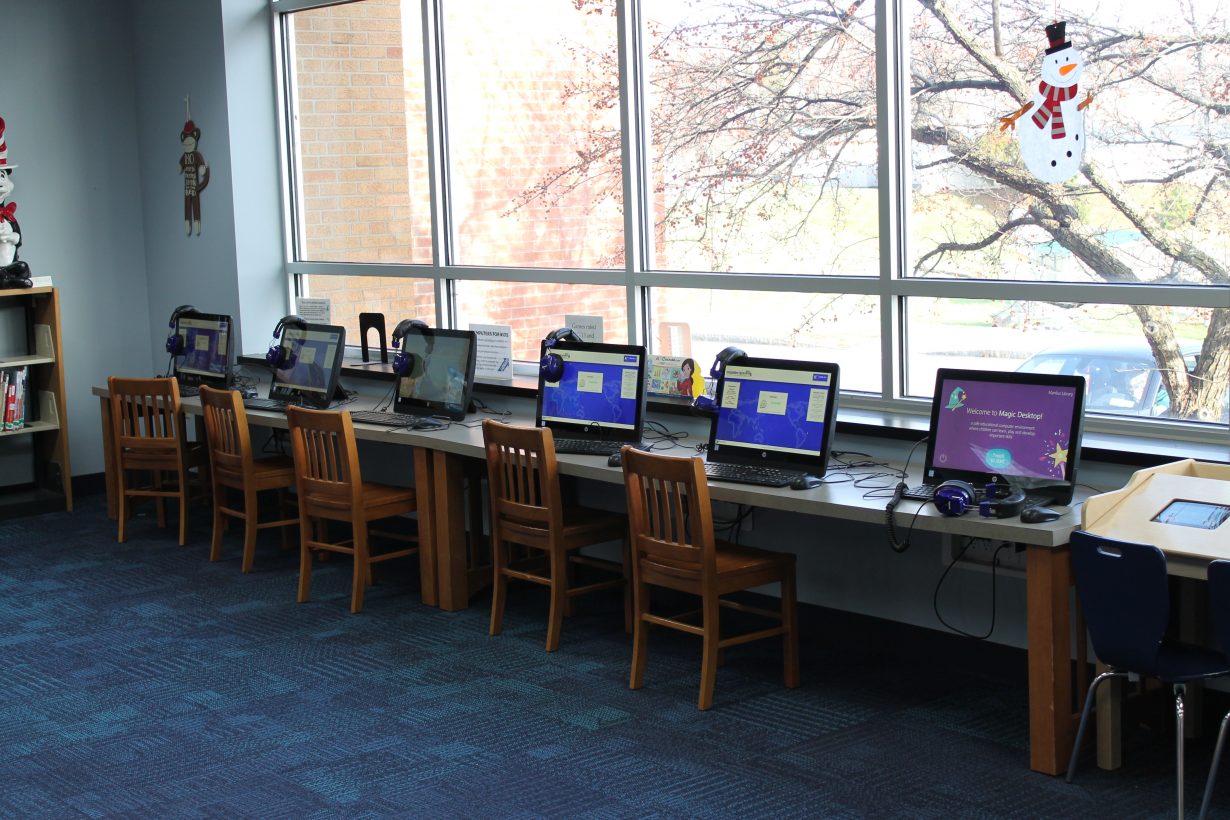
<point>440,464</point>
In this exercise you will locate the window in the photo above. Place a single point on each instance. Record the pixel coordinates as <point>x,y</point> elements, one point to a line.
<point>801,178</point>
<point>360,127</point>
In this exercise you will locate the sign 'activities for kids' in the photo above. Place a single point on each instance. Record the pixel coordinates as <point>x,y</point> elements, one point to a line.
<point>1052,138</point>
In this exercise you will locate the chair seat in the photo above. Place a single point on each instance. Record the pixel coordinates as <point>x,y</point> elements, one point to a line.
<point>735,559</point>
<point>264,467</point>
<point>375,496</point>
<point>1181,663</point>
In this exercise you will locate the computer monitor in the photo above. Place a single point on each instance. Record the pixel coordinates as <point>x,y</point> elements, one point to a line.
<point>601,393</point>
<point>1019,428</point>
<point>207,350</point>
<point>314,359</point>
<point>441,379</point>
<point>775,413</point>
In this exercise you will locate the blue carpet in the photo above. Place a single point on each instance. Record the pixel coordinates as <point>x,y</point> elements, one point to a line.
<point>140,680</point>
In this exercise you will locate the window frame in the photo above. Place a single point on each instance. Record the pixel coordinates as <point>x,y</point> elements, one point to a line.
<point>891,285</point>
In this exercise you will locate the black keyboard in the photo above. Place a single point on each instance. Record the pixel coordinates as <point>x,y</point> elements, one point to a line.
<point>750,474</point>
<point>275,405</point>
<point>593,446</point>
<point>923,492</point>
<point>394,419</point>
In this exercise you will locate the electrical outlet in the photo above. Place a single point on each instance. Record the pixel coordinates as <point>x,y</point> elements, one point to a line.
<point>980,553</point>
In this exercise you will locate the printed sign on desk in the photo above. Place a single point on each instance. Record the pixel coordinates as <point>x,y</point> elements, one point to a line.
<point>589,328</point>
<point>314,310</point>
<point>494,354</point>
<point>674,376</point>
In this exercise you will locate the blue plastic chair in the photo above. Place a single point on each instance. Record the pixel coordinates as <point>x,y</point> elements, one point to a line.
<point>1219,599</point>
<point>1124,594</point>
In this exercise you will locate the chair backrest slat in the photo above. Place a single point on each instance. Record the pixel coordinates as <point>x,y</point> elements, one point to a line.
<point>226,428</point>
<point>523,476</point>
<point>146,414</point>
<point>668,507</point>
<point>326,458</point>
<point>1124,594</point>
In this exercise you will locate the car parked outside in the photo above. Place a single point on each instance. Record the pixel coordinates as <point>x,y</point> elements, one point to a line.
<point>1121,375</point>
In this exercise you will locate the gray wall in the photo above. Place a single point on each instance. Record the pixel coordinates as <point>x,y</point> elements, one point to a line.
<point>69,104</point>
<point>93,119</point>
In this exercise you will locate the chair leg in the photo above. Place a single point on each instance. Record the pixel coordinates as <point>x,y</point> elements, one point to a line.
<point>1179,691</point>
<point>1080,731</point>
<point>183,506</point>
<point>121,512</point>
<point>215,545</point>
<point>305,560</point>
<point>499,585</point>
<point>159,502</point>
<point>790,640</point>
<point>1208,786</point>
<point>362,567</point>
<point>640,635</point>
<point>250,520</point>
<point>710,651</point>
<point>284,531</point>
<point>559,597</point>
<point>627,572</point>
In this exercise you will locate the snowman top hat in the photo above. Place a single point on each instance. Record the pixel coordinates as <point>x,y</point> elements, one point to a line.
<point>4,151</point>
<point>1055,33</point>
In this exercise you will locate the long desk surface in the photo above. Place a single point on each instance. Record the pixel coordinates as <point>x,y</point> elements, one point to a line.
<point>440,462</point>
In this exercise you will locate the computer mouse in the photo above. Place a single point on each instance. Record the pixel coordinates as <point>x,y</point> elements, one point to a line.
<point>615,460</point>
<point>1038,515</point>
<point>805,482</point>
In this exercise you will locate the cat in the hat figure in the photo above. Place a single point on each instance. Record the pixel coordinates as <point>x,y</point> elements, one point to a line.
<point>195,171</point>
<point>1053,139</point>
<point>13,272</point>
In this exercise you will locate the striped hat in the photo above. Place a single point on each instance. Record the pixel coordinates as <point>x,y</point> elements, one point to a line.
<point>4,150</point>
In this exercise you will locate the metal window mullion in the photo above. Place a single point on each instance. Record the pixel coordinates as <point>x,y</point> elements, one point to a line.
<point>892,189</point>
<point>1068,292</point>
<point>292,189</point>
<point>437,159</point>
<point>634,148</point>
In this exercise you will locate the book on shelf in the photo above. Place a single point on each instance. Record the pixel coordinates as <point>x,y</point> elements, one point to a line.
<point>13,389</point>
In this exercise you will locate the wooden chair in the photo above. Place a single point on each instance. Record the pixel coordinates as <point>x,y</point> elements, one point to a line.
<point>527,509</point>
<point>234,468</point>
<point>330,488</point>
<point>147,432</point>
<point>673,546</point>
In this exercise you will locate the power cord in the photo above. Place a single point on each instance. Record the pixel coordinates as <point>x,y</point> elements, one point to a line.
<point>658,437</point>
<point>890,509</point>
<point>935,598</point>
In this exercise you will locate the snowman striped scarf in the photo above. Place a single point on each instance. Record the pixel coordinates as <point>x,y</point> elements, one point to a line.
<point>1050,110</point>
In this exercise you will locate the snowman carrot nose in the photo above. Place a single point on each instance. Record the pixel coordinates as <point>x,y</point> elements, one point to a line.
<point>1065,70</point>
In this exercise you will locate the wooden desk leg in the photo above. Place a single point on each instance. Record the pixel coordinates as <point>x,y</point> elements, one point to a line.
<point>1051,731</point>
<point>450,528</point>
<point>424,490</point>
<point>109,476</point>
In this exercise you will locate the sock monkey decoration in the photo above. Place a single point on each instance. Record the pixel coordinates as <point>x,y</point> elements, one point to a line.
<point>195,171</point>
<point>13,272</point>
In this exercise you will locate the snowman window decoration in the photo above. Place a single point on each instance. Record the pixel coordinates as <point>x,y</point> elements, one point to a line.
<point>13,272</point>
<point>1052,139</point>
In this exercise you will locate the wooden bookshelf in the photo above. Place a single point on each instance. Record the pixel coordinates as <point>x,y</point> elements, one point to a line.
<point>38,310</point>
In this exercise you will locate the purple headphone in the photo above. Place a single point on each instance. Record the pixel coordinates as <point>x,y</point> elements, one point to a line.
<point>551,368</point>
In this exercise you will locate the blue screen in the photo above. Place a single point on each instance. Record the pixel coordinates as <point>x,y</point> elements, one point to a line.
<point>772,409</point>
<point>206,346</point>
<point>596,388</point>
<point>313,354</point>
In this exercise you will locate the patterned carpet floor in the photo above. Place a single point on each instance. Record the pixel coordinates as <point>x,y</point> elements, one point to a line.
<point>141,680</point>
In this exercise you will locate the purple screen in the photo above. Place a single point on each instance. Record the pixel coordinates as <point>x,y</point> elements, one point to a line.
<point>1009,429</point>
